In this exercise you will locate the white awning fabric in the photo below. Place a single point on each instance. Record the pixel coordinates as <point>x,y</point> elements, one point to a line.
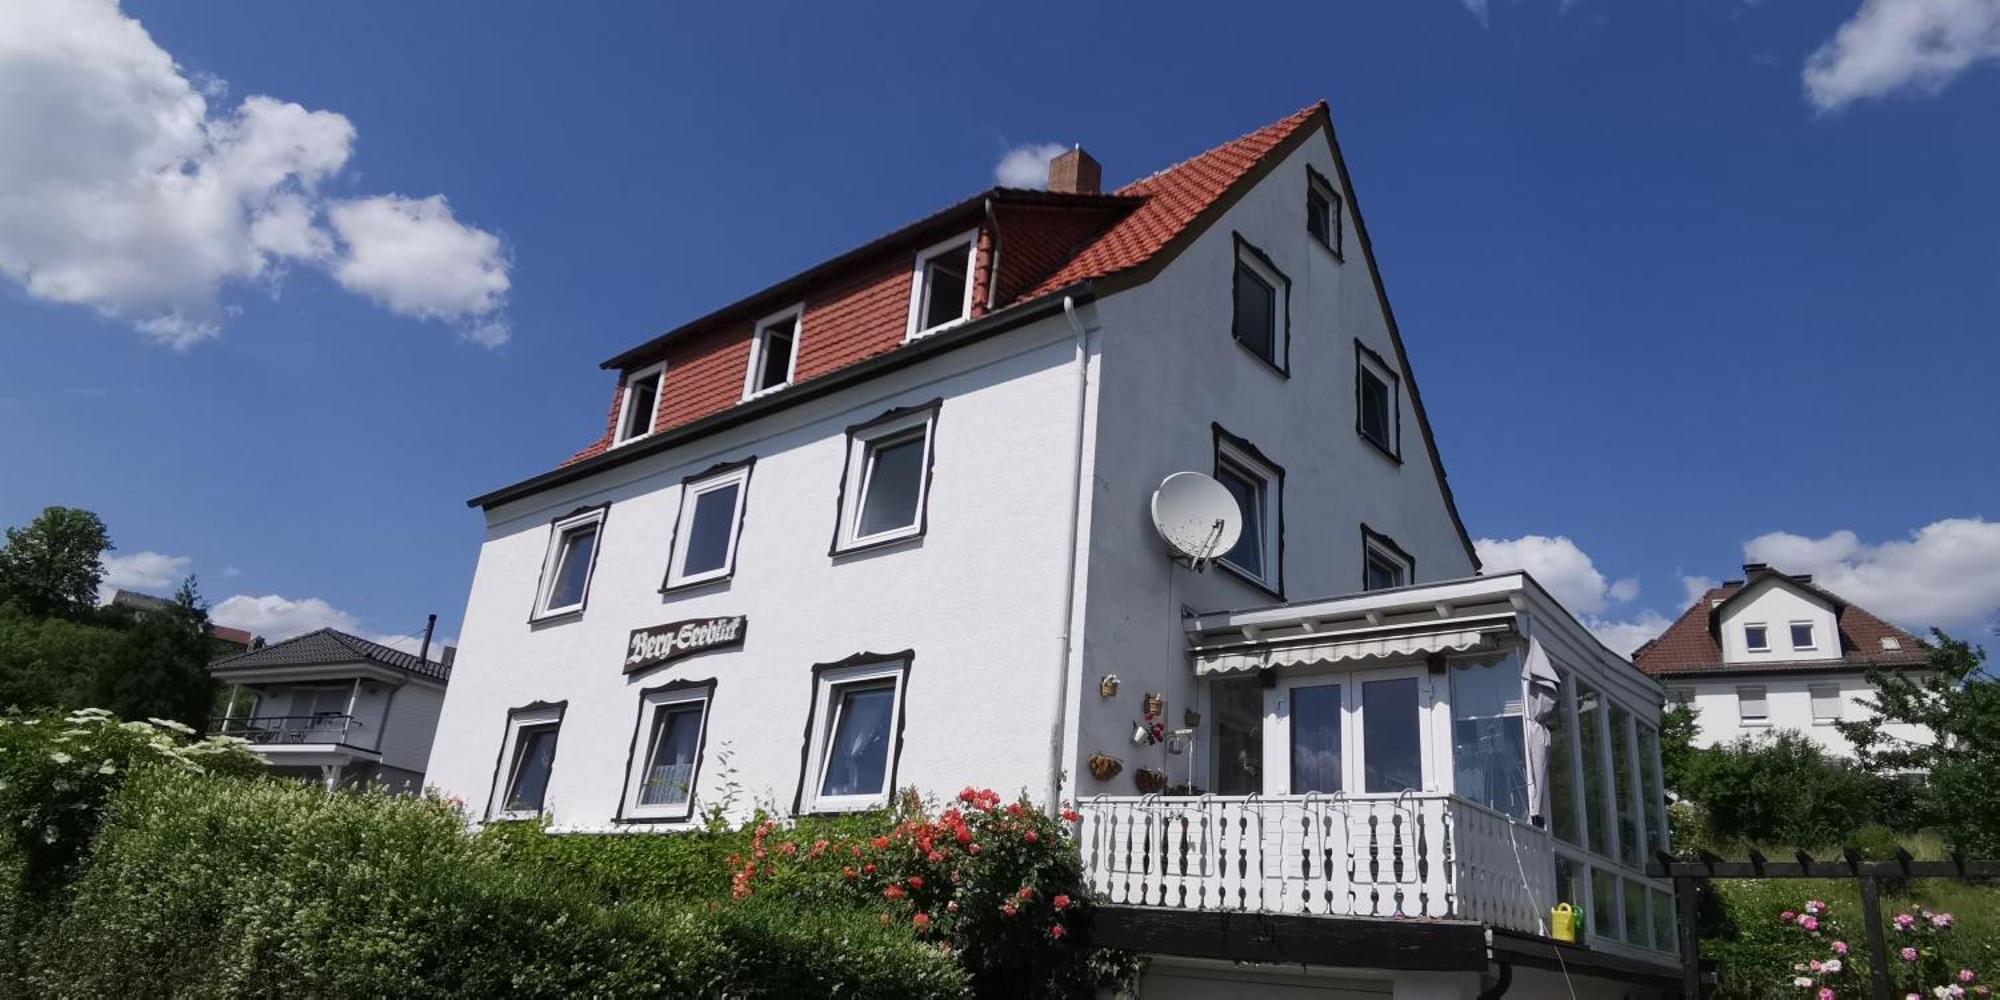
<point>1336,649</point>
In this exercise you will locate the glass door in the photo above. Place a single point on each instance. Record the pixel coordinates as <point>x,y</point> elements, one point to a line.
<point>1363,732</point>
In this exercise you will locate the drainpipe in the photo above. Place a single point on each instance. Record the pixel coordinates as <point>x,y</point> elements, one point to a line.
<point>1057,738</point>
<point>1500,986</point>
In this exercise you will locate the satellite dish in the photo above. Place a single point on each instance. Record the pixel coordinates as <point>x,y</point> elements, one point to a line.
<point>1196,516</point>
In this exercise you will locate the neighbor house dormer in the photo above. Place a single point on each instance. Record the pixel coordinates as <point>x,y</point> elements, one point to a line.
<point>1774,618</point>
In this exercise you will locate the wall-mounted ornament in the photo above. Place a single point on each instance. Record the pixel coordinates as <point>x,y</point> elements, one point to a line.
<point>1105,767</point>
<point>1149,779</point>
<point>1191,718</point>
<point>1107,686</point>
<point>1145,734</point>
<point>1155,705</point>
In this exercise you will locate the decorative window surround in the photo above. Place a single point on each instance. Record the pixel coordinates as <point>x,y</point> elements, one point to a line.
<point>711,500</point>
<point>1238,463</point>
<point>931,293</point>
<point>1323,213</point>
<point>1384,564</point>
<point>564,588</point>
<point>1378,402</point>
<point>880,465</point>
<point>1255,281</point>
<point>526,762</point>
<point>776,332</point>
<point>663,712</point>
<point>838,755</point>
<point>639,408</point>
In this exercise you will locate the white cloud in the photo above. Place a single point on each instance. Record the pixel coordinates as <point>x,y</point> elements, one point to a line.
<point>1027,166</point>
<point>412,256</point>
<point>231,571</point>
<point>138,199</point>
<point>1946,574</point>
<point>1478,9</point>
<point>1573,579</point>
<point>1622,590</point>
<point>1892,46</point>
<point>141,571</point>
<point>276,618</point>
<point>1697,586</point>
<point>1625,637</point>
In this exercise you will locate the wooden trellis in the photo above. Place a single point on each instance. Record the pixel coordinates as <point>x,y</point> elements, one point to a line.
<point>1688,875</point>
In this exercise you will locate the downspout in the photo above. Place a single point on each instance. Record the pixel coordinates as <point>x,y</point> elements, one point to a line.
<point>1063,639</point>
<point>1500,986</point>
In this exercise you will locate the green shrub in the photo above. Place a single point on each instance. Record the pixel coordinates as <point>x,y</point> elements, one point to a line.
<point>1782,789</point>
<point>1762,947</point>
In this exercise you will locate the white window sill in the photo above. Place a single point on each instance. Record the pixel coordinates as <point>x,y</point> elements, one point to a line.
<point>847,804</point>
<point>940,328</point>
<point>1755,723</point>
<point>879,538</point>
<point>549,614</point>
<point>622,442</point>
<point>515,817</point>
<point>677,582</point>
<point>769,390</point>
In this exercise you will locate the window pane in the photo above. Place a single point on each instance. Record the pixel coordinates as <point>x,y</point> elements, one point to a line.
<point>1569,883</point>
<point>1663,920</point>
<point>670,767</point>
<point>857,754</point>
<point>1238,703</point>
<point>1604,904</point>
<point>1653,799</point>
<point>1391,752</point>
<point>1825,702</point>
<point>1750,705</point>
<point>895,476</point>
<point>1802,636</point>
<point>1596,790</point>
<point>1248,552</point>
<point>709,528</point>
<point>1756,637</point>
<point>1383,573</point>
<point>639,411</point>
<point>1316,738</point>
<point>1256,312</point>
<point>1318,216</point>
<point>1562,779</point>
<point>1625,784</point>
<point>573,567</point>
<point>944,287</point>
<point>1375,407</point>
<point>776,365</point>
<point>1638,928</point>
<point>534,753</point>
<point>1489,743</point>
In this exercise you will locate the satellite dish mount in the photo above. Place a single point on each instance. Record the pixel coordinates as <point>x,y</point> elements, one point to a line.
<point>1197,517</point>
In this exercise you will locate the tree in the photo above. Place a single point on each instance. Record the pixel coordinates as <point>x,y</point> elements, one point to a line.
<point>1677,732</point>
<point>164,673</point>
<point>51,568</point>
<point>1958,703</point>
<point>1782,789</point>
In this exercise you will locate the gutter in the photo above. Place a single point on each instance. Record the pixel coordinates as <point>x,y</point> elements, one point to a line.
<point>905,356</point>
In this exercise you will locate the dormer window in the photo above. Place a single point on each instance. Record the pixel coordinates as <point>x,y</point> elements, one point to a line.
<point>641,404</point>
<point>774,353</point>
<point>1757,638</point>
<point>941,289</point>
<point>1323,212</point>
<point>1891,644</point>
<point>1802,637</point>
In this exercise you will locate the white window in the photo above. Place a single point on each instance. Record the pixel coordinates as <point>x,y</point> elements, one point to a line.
<point>857,714</point>
<point>1323,212</point>
<point>1384,565</point>
<point>640,406</point>
<point>1826,703</point>
<point>941,289</point>
<point>1756,638</point>
<point>886,487</point>
<point>527,758</point>
<point>1258,486</point>
<point>1802,636</point>
<point>774,352</point>
<point>1751,708</point>
<point>666,752</point>
<point>567,566</point>
<point>710,522</point>
<point>1377,401</point>
<point>1260,305</point>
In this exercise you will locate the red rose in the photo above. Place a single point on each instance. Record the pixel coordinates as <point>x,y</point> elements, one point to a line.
<point>893,892</point>
<point>922,920</point>
<point>880,843</point>
<point>1009,909</point>
<point>916,881</point>
<point>1071,815</point>
<point>848,872</point>
<point>1032,837</point>
<point>1026,893</point>
<point>1057,932</point>
<point>1061,902</point>
<point>868,868</point>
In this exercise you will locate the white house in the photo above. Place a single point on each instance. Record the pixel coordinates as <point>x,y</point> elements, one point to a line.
<point>885,524</point>
<point>336,708</point>
<point>1775,651</point>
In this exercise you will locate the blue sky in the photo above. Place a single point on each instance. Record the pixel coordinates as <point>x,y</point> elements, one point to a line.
<point>1679,281</point>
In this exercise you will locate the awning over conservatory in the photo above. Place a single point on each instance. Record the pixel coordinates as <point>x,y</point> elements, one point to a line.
<point>1368,644</point>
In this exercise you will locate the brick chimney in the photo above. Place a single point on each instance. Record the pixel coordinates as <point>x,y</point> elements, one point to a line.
<point>1075,172</point>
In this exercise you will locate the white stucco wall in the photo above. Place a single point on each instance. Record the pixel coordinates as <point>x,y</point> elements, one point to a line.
<point>409,724</point>
<point>977,598</point>
<point>1171,368</point>
<point>1773,604</point>
<point>1788,700</point>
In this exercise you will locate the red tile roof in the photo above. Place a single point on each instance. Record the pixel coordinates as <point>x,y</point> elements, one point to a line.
<point>1690,644</point>
<point>860,309</point>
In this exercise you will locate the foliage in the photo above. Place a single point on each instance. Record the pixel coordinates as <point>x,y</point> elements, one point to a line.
<point>1677,750</point>
<point>54,662</point>
<point>1757,936</point>
<point>58,771</point>
<point>1782,789</point>
<point>51,567</point>
<point>165,670</point>
<point>205,886</point>
<point>1959,703</point>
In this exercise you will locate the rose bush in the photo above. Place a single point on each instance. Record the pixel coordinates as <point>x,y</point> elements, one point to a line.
<point>1921,964</point>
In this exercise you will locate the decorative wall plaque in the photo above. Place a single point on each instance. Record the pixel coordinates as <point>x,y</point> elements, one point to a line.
<point>651,647</point>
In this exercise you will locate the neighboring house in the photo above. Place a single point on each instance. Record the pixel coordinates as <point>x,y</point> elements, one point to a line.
<point>227,640</point>
<point>1776,651</point>
<point>336,708</point>
<point>885,524</point>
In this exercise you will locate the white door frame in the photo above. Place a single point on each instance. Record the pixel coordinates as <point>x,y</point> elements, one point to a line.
<point>1278,727</point>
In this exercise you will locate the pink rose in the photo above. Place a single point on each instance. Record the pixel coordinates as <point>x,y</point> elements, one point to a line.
<point>1909,954</point>
<point>1967,975</point>
<point>1810,923</point>
<point>1840,947</point>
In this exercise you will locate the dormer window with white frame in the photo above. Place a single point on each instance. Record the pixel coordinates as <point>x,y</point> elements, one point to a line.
<point>854,736</point>
<point>774,352</point>
<point>1258,484</point>
<point>885,490</point>
<point>1757,637</point>
<point>941,288</point>
<point>569,563</point>
<point>1802,637</point>
<point>709,526</point>
<point>1378,402</point>
<point>639,407</point>
<point>1260,306</point>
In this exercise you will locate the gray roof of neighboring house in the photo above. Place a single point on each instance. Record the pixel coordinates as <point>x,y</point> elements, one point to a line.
<point>332,646</point>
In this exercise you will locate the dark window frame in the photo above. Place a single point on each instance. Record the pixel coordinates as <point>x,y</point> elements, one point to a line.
<point>559,527</point>
<point>1274,485</point>
<point>1318,185</point>
<point>504,775</point>
<point>1373,541</point>
<point>884,427</point>
<point>1365,358</point>
<point>808,773</point>
<point>1281,306</point>
<point>642,736</point>
<point>748,466</point>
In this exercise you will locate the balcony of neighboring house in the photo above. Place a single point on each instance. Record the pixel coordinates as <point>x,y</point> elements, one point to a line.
<point>334,708</point>
<point>1406,779</point>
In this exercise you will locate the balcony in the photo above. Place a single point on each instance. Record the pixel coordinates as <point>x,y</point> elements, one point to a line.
<point>297,730</point>
<point>1413,855</point>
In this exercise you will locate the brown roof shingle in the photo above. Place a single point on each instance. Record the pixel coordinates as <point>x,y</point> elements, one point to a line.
<point>1690,645</point>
